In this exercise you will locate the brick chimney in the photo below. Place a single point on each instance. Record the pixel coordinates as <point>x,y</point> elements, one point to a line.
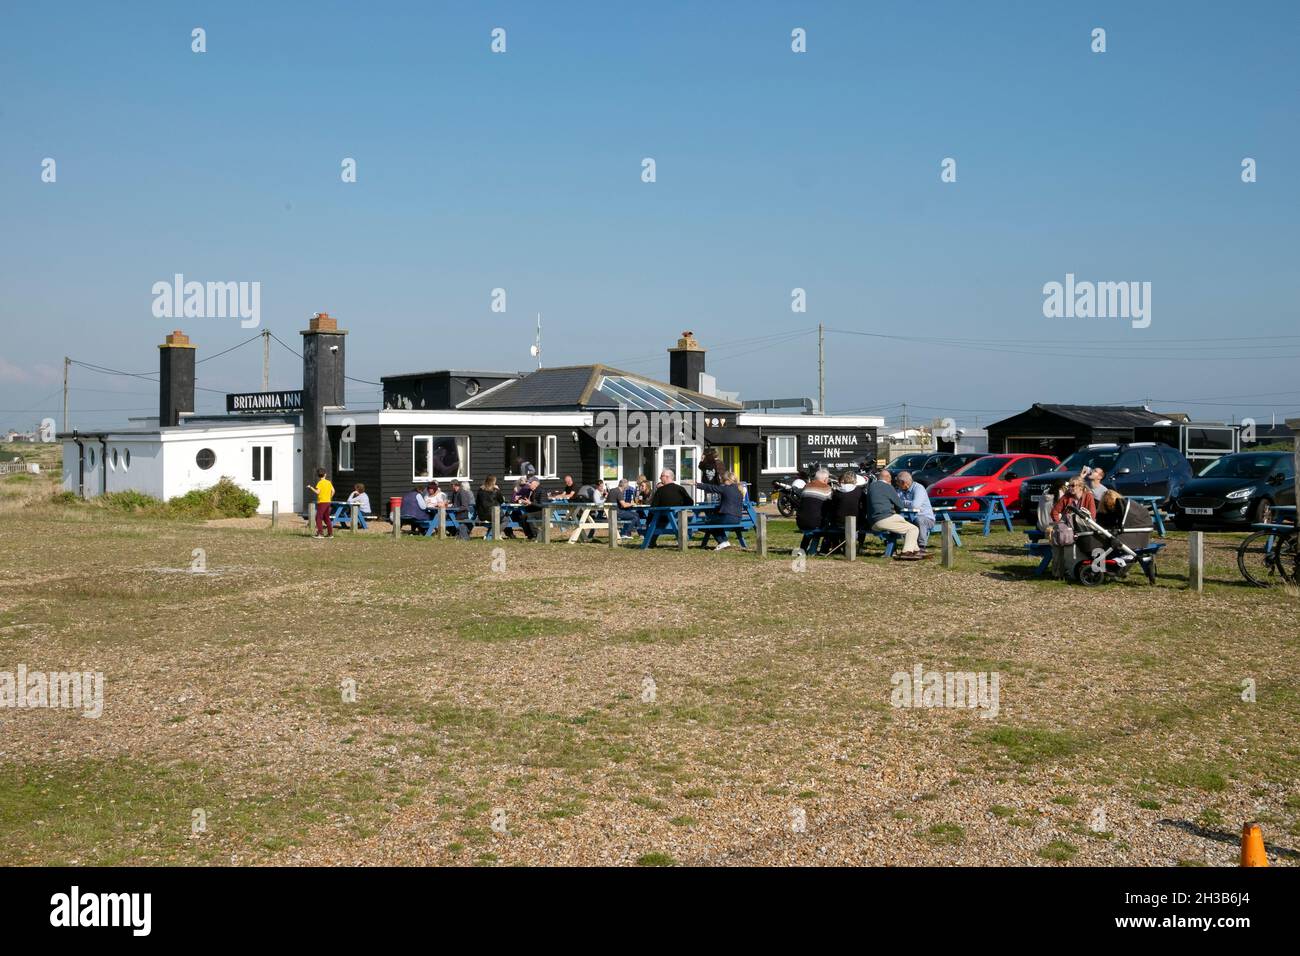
<point>686,362</point>
<point>322,388</point>
<point>175,378</point>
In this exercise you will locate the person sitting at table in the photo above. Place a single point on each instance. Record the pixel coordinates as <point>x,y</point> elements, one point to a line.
<point>644,490</point>
<point>917,500</point>
<point>624,496</point>
<point>460,505</point>
<point>486,498</point>
<point>669,493</point>
<point>883,507</point>
<point>525,494</point>
<point>812,511</point>
<point>434,497</point>
<point>360,499</point>
<point>1076,494</point>
<point>413,507</point>
<point>567,492</point>
<point>731,508</point>
<point>846,495</point>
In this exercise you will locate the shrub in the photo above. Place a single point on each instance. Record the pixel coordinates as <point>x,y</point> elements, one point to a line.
<point>225,499</point>
<point>132,502</point>
<point>65,498</point>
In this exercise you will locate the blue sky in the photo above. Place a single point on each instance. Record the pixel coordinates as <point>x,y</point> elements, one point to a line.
<point>775,170</point>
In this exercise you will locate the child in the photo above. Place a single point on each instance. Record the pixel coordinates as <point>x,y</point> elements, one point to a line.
<point>324,491</point>
<point>360,498</point>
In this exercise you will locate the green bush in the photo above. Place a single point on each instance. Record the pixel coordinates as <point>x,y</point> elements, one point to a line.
<point>65,498</point>
<point>225,499</point>
<point>132,502</point>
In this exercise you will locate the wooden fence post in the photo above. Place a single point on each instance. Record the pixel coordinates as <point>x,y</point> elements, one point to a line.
<point>546,524</point>
<point>356,510</point>
<point>612,514</point>
<point>395,516</point>
<point>275,513</point>
<point>1196,560</point>
<point>683,529</point>
<point>442,521</point>
<point>496,522</point>
<point>851,537</point>
<point>949,554</point>
<point>761,531</point>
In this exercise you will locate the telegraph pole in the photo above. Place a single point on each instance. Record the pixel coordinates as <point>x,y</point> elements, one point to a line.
<point>66,362</point>
<point>821,369</point>
<point>266,360</point>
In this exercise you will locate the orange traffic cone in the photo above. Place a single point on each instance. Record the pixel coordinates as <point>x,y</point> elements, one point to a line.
<point>1252,846</point>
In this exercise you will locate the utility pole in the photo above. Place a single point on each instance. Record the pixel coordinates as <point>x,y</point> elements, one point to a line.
<point>821,369</point>
<point>905,421</point>
<point>266,360</point>
<point>66,362</point>
<point>537,344</point>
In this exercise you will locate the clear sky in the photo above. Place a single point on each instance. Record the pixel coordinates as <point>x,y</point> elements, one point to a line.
<point>775,170</point>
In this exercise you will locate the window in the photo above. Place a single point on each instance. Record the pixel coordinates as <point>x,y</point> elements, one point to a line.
<point>540,452</point>
<point>261,462</point>
<point>1129,460</point>
<point>439,456</point>
<point>1170,458</point>
<point>206,458</point>
<point>346,444</point>
<point>126,458</point>
<point>1151,459</point>
<point>781,452</point>
<point>609,463</point>
<point>112,462</point>
<point>91,456</point>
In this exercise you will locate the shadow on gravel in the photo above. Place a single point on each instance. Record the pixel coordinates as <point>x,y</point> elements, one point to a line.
<point>1221,836</point>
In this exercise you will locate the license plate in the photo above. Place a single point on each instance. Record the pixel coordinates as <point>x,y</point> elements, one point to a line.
<point>1199,511</point>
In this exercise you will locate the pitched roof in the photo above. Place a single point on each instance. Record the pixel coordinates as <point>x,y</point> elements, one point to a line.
<point>1105,416</point>
<point>592,386</point>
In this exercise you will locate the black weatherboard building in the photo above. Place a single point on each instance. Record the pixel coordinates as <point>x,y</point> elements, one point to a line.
<point>1062,429</point>
<point>589,421</point>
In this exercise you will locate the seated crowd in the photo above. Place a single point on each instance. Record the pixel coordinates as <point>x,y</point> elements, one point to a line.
<point>880,503</point>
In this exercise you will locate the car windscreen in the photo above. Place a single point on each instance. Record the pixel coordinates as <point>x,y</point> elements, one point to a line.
<point>1241,466</point>
<point>1103,458</point>
<point>982,467</point>
<point>907,463</point>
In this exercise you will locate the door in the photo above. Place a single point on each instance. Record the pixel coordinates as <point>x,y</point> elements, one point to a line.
<point>682,460</point>
<point>1155,476</point>
<point>729,455</point>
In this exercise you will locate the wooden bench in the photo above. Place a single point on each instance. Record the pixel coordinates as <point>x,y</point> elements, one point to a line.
<point>1039,548</point>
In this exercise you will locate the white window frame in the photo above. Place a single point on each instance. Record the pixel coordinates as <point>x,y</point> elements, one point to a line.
<point>768,467</point>
<point>465,464</point>
<point>267,456</point>
<point>547,461</point>
<point>346,461</point>
<point>600,465</point>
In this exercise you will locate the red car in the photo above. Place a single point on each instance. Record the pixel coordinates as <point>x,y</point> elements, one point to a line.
<point>991,475</point>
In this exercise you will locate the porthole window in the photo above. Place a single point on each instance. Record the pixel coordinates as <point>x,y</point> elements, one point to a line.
<point>114,459</point>
<point>126,458</point>
<point>206,458</point>
<point>91,457</point>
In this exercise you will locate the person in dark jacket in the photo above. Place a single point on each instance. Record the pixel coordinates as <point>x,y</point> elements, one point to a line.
<point>669,493</point>
<point>461,507</point>
<point>813,510</point>
<point>413,508</point>
<point>486,498</point>
<point>846,501</point>
<point>731,508</point>
<point>883,507</point>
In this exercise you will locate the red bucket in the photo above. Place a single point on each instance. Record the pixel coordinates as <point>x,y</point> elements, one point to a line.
<point>393,505</point>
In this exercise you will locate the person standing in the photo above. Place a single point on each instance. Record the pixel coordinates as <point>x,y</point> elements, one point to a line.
<point>324,492</point>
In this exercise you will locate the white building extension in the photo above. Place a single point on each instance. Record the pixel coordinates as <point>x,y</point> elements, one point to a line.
<point>261,456</point>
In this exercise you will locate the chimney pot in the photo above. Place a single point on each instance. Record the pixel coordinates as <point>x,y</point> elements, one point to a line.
<point>323,322</point>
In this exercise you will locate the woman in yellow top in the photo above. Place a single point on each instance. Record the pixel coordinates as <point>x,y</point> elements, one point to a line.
<point>324,491</point>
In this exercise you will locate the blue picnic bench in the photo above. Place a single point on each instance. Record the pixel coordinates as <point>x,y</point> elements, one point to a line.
<point>703,517</point>
<point>1153,505</point>
<point>1039,548</point>
<point>992,508</point>
<point>342,517</point>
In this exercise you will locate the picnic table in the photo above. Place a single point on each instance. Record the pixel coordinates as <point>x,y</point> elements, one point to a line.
<point>589,517</point>
<point>994,509</point>
<point>342,517</point>
<point>1153,505</point>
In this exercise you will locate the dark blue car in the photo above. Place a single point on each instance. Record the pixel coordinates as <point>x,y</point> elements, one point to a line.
<point>1239,489</point>
<point>1140,468</point>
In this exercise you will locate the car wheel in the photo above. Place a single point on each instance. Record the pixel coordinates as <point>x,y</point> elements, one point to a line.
<point>1261,512</point>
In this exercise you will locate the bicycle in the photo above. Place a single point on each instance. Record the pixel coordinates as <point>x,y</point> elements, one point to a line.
<point>1270,556</point>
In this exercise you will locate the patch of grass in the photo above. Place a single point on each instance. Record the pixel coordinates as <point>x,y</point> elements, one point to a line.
<point>490,628</point>
<point>1058,851</point>
<point>1192,775</point>
<point>1033,745</point>
<point>945,834</point>
<point>655,859</point>
<point>683,821</point>
<point>1066,800</point>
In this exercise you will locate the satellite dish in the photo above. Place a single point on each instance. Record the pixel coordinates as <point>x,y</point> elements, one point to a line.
<point>532,350</point>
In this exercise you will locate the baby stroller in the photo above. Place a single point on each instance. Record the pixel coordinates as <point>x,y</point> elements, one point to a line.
<point>1111,553</point>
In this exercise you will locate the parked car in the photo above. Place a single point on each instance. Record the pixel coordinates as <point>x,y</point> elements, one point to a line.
<point>991,475</point>
<point>1138,468</point>
<point>913,462</point>
<point>1238,489</point>
<point>942,465</point>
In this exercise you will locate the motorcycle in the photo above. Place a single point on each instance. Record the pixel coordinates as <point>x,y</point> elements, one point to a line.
<point>786,494</point>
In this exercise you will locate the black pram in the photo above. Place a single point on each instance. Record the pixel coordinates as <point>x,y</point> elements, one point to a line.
<point>1110,552</point>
